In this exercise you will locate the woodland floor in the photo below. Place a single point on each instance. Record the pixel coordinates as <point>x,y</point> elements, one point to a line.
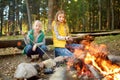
<point>8,63</point>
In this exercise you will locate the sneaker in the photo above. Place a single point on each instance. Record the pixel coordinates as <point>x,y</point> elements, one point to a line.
<point>48,71</point>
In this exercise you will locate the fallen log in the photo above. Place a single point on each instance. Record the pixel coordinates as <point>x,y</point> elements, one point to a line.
<point>19,43</point>
<point>114,58</point>
<point>95,72</point>
<point>78,36</point>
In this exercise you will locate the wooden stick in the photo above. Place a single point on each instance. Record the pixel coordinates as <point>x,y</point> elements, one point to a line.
<point>94,72</point>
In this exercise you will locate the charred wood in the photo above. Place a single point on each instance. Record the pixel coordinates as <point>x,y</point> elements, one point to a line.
<point>114,59</point>
<point>95,72</point>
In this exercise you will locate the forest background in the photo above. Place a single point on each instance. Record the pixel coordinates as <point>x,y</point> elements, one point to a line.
<point>82,15</point>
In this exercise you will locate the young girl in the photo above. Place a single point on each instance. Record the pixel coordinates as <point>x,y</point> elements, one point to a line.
<point>61,35</point>
<point>35,41</point>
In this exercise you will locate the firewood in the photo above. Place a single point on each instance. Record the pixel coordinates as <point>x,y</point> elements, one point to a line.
<point>60,58</point>
<point>50,63</point>
<point>96,74</point>
<point>114,59</point>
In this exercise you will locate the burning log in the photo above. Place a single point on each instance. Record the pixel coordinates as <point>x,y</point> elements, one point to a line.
<point>95,60</point>
<point>95,72</point>
<point>84,71</point>
<point>114,59</point>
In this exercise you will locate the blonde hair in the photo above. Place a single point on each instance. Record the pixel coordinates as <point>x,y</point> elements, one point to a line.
<point>37,21</point>
<point>56,16</point>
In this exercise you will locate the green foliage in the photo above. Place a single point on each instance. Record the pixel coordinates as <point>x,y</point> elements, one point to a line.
<point>107,39</point>
<point>82,15</point>
<point>49,33</point>
<point>76,11</point>
<point>11,37</point>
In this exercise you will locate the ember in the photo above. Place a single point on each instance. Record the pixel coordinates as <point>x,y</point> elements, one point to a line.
<point>82,69</point>
<point>96,56</point>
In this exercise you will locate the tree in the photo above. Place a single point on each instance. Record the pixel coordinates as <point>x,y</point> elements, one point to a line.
<point>108,14</point>
<point>50,13</point>
<point>99,14</point>
<point>29,15</point>
<point>112,13</point>
<point>1,14</point>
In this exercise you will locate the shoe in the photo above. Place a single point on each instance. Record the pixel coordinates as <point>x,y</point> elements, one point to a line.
<point>48,71</point>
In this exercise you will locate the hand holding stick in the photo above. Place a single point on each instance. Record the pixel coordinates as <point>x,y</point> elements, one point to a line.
<point>35,46</point>
<point>69,38</point>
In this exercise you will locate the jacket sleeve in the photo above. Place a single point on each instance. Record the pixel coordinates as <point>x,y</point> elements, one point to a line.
<point>40,39</point>
<point>27,39</point>
<point>41,43</point>
<point>55,30</point>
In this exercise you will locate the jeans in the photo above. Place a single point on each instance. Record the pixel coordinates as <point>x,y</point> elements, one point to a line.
<point>39,50</point>
<point>64,51</point>
<point>75,45</point>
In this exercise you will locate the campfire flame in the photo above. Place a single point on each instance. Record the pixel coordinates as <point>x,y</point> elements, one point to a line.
<point>95,55</point>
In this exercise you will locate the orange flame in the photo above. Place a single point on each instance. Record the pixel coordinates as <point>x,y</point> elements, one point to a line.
<point>96,55</point>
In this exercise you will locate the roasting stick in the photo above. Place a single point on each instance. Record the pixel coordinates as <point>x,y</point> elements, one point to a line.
<point>41,49</point>
<point>37,46</point>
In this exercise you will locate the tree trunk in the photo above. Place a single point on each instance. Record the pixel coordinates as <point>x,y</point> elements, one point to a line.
<point>99,13</point>
<point>108,14</point>
<point>11,17</point>
<point>1,19</point>
<point>90,14</point>
<point>29,15</point>
<point>112,13</point>
<point>17,15</point>
<point>50,13</point>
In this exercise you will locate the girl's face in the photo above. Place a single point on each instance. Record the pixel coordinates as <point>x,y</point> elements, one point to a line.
<point>37,26</point>
<point>61,18</point>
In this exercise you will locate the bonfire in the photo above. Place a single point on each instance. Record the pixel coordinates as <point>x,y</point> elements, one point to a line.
<point>93,62</point>
<point>90,62</point>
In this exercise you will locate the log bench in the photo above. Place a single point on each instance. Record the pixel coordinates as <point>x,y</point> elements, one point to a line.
<point>20,42</point>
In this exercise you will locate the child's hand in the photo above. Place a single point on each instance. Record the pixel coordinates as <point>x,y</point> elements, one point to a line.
<point>23,33</point>
<point>34,47</point>
<point>68,38</point>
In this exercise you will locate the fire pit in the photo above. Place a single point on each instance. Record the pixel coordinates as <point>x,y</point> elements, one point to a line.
<point>89,63</point>
<point>93,62</point>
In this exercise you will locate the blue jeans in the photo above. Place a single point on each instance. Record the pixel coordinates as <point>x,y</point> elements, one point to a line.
<point>64,51</point>
<point>40,51</point>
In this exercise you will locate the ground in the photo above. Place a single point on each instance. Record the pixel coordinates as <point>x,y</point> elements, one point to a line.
<point>9,63</point>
